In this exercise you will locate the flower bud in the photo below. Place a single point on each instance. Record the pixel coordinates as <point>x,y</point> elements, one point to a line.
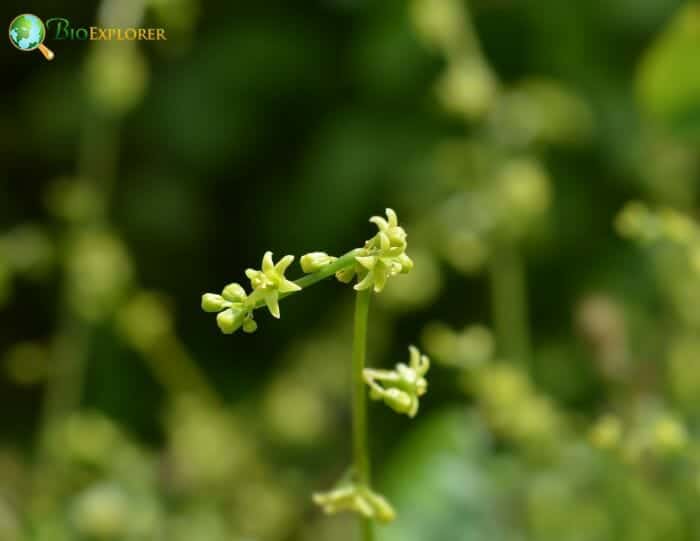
<point>315,261</point>
<point>234,293</point>
<point>249,325</point>
<point>211,302</point>
<point>398,400</point>
<point>228,321</point>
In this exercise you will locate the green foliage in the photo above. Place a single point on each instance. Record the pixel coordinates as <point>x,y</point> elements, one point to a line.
<point>668,81</point>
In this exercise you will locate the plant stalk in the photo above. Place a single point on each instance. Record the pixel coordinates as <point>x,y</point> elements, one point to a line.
<point>359,401</point>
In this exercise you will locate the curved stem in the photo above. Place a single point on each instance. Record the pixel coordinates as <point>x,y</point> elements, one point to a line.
<point>359,400</point>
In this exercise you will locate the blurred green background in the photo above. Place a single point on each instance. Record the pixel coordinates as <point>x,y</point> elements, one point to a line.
<point>508,135</point>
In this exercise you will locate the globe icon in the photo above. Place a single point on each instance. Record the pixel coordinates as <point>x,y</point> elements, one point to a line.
<point>27,33</point>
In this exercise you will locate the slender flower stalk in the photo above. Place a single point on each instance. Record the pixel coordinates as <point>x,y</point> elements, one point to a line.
<point>359,400</point>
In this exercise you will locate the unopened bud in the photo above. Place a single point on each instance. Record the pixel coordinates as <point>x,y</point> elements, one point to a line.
<point>315,261</point>
<point>249,325</point>
<point>234,293</point>
<point>398,400</point>
<point>212,302</point>
<point>228,321</point>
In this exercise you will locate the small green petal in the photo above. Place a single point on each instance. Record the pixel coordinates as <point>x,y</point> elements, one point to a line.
<point>380,276</point>
<point>393,219</point>
<point>384,242</point>
<point>284,263</point>
<point>272,302</point>
<point>267,264</point>
<point>287,286</point>
<point>366,282</point>
<point>380,222</point>
<point>367,262</point>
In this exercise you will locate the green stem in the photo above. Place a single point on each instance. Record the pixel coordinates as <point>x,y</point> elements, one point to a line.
<point>359,400</point>
<point>509,302</point>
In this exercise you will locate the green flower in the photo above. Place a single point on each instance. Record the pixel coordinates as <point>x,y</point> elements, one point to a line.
<point>356,498</point>
<point>382,257</point>
<point>401,388</point>
<point>269,282</point>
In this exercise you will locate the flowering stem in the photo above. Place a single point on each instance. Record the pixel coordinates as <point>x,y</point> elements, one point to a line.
<point>329,270</point>
<point>509,303</point>
<point>359,400</point>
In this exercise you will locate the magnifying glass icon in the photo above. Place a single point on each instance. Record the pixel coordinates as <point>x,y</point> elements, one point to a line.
<point>27,33</point>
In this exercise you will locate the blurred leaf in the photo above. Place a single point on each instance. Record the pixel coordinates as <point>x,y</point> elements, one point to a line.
<point>668,84</point>
<point>440,484</point>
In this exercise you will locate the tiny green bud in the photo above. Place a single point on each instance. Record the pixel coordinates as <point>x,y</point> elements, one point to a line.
<point>398,400</point>
<point>249,325</point>
<point>315,261</point>
<point>228,321</point>
<point>212,302</point>
<point>234,293</point>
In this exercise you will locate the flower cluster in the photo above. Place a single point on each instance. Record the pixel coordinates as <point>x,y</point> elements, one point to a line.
<point>382,256</point>
<point>234,307</point>
<point>401,388</point>
<point>357,498</point>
